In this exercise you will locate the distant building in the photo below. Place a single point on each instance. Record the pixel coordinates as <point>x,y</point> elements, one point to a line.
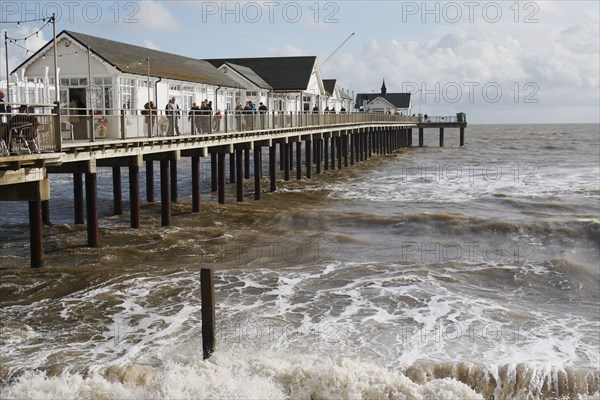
<point>295,82</point>
<point>384,102</point>
<point>336,97</point>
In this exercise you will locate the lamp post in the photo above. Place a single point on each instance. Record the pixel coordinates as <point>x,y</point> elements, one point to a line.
<point>6,60</point>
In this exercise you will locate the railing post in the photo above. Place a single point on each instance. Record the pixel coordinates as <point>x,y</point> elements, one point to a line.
<point>91,124</point>
<point>57,134</point>
<point>226,118</point>
<point>123,133</point>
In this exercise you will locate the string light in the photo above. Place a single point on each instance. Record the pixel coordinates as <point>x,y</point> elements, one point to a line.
<point>36,33</point>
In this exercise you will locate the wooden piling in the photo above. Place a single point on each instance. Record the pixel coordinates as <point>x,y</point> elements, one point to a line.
<point>333,152</point>
<point>134,196</point>
<point>150,181</point>
<point>345,149</point>
<point>46,213</point>
<point>117,191</point>
<point>298,160</point>
<point>307,154</point>
<point>207,294</point>
<point>221,173</point>
<point>286,162</point>
<point>165,206</point>
<point>78,198</point>
<point>318,155</point>
<point>239,164</point>
<point>421,141</point>
<point>91,200</point>
<point>213,172</point>
<point>232,167</point>
<point>195,160</point>
<point>339,151</point>
<point>173,171</point>
<point>370,144</point>
<point>36,234</point>
<point>462,136</point>
<point>281,156</point>
<point>441,137</point>
<point>351,148</point>
<point>272,170</point>
<point>246,163</point>
<point>325,153</point>
<point>257,171</point>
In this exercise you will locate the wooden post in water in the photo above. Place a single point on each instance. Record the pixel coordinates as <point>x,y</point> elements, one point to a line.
<point>290,149</point>
<point>345,149</point>
<point>232,167</point>
<point>239,164</point>
<point>257,171</point>
<point>134,195</point>
<point>332,151</point>
<point>441,137</point>
<point>78,197</point>
<point>117,192</point>
<point>299,160</point>
<point>221,173</point>
<point>410,137</point>
<point>318,155</point>
<point>272,172</point>
<point>307,155</point>
<point>370,143</point>
<point>246,163</point>
<point>286,162</point>
<point>46,212</point>
<point>150,181</point>
<point>213,172</point>
<point>326,153</point>
<point>421,137</point>
<point>281,156</point>
<point>173,171</point>
<point>207,294</point>
<point>165,205</point>
<point>195,183</point>
<point>462,136</point>
<point>91,201</point>
<point>36,232</point>
<point>339,151</point>
<point>351,149</point>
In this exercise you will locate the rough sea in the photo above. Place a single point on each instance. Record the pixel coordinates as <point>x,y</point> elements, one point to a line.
<point>430,273</point>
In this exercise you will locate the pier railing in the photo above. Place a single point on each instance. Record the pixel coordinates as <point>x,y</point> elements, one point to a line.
<point>20,134</point>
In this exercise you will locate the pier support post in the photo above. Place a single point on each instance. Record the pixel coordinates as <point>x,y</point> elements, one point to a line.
<point>332,152</point>
<point>213,172</point>
<point>91,200</point>
<point>410,137</point>
<point>207,294</point>
<point>272,170</point>
<point>246,163</point>
<point>339,151</point>
<point>370,144</point>
<point>345,149</point>
<point>281,156</point>
<point>117,192</point>
<point>221,173</point>
<point>134,195</point>
<point>318,148</point>
<point>46,212</point>
<point>299,160</point>
<point>462,136</point>
<point>150,181</point>
<point>308,161</point>
<point>239,165</point>
<point>173,171</point>
<point>421,137</point>
<point>290,148</point>
<point>165,206</point>
<point>257,171</point>
<point>36,232</point>
<point>232,167</point>
<point>326,153</point>
<point>286,162</point>
<point>195,160</point>
<point>441,137</point>
<point>78,197</point>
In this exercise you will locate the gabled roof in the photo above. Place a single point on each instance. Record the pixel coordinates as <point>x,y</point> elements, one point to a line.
<point>398,100</point>
<point>126,58</point>
<point>281,73</point>
<point>329,85</point>
<point>249,74</point>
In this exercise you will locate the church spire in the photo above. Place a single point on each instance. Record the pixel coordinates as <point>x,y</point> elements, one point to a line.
<point>383,88</point>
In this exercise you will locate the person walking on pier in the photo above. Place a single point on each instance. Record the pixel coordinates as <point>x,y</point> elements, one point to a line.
<point>173,112</point>
<point>262,109</point>
<point>194,118</point>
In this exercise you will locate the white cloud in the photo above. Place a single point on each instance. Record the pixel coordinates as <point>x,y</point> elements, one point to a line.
<point>156,15</point>
<point>150,44</point>
<point>286,50</point>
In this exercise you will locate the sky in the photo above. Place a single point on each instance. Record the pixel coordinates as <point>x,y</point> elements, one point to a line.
<point>497,61</point>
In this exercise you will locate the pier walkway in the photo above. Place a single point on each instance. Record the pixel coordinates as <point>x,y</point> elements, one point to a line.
<point>81,141</point>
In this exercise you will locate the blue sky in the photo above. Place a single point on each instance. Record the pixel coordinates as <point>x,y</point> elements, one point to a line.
<point>498,61</point>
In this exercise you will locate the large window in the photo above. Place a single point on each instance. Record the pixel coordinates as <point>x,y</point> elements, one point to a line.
<point>127,89</point>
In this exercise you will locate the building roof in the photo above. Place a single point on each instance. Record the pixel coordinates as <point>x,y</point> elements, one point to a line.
<point>249,74</point>
<point>131,59</point>
<point>281,73</point>
<point>398,100</point>
<point>329,85</point>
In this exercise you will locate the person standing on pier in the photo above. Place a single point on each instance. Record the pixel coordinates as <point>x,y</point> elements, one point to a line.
<point>173,111</point>
<point>262,109</point>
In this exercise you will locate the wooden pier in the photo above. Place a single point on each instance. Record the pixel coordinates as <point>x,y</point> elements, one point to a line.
<point>327,142</point>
